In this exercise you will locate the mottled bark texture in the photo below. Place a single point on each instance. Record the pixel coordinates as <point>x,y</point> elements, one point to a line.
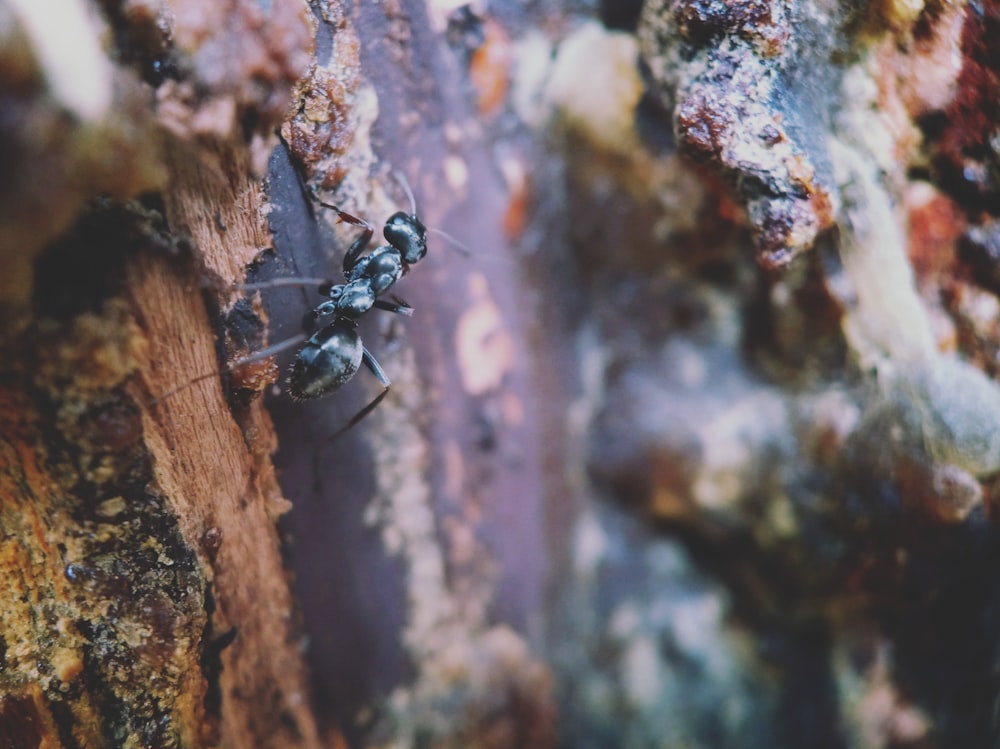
<point>694,444</point>
<point>145,599</point>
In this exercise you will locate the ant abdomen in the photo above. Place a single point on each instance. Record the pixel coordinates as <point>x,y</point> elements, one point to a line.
<point>328,359</point>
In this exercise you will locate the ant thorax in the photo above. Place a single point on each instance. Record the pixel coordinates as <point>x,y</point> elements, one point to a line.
<point>350,300</point>
<point>380,269</point>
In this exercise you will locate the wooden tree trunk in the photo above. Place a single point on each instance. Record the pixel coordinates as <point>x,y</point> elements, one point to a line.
<point>146,601</point>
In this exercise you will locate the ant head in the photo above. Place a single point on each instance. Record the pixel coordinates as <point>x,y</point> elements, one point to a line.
<point>407,234</point>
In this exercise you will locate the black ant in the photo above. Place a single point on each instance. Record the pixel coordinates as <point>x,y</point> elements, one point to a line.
<point>332,355</point>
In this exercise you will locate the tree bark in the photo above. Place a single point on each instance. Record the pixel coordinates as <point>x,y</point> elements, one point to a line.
<point>146,600</point>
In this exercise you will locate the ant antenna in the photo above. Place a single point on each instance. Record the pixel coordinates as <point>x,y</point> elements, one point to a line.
<point>456,244</point>
<point>281,281</point>
<point>405,184</point>
<point>462,248</point>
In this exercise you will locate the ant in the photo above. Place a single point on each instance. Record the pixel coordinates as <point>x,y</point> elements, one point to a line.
<point>332,355</point>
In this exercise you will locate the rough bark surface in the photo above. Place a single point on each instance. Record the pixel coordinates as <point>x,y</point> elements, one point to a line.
<point>146,598</point>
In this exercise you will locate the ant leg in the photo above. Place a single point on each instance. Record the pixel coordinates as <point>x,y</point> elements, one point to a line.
<point>274,348</point>
<point>285,281</point>
<point>375,368</point>
<point>355,250</point>
<point>399,309</point>
<point>173,391</point>
<point>250,359</point>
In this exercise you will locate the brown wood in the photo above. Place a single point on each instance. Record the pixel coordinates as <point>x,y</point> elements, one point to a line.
<point>145,598</point>
<point>71,595</point>
<point>219,472</point>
